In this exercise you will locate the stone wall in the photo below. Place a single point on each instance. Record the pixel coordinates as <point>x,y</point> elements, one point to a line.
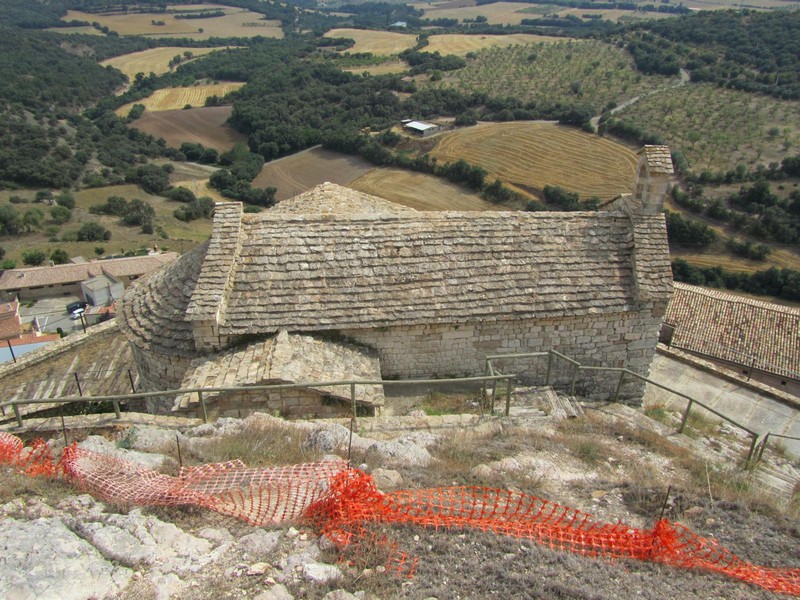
<point>295,403</point>
<point>159,371</point>
<point>612,340</point>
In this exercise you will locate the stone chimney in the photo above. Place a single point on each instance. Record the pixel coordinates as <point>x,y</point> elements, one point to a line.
<point>653,174</point>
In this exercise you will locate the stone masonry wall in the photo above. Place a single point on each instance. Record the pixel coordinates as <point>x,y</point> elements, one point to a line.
<point>289,403</point>
<point>613,340</point>
<point>159,371</point>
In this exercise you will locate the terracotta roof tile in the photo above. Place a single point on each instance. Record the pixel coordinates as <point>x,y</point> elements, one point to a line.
<point>737,329</point>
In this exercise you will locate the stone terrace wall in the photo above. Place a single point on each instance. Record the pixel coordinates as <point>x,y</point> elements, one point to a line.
<point>613,340</point>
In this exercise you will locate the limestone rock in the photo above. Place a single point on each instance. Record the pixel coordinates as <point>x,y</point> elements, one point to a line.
<point>259,543</point>
<point>387,479</point>
<point>276,592</point>
<point>99,444</point>
<point>44,560</point>
<point>321,572</point>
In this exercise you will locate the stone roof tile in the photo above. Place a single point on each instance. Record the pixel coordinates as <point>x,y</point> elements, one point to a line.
<point>659,159</point>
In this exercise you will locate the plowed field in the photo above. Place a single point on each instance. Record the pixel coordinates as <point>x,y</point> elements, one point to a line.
<point>205,126</point>
<point>531,155</point>
<point>174,98</point>
<point>300,172</point>
<point>380,43</point>
<point>419,191</point>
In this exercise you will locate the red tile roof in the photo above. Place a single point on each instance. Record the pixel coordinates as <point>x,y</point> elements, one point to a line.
<point>756,334</point>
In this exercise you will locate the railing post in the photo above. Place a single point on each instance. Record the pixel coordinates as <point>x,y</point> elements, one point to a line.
<point>508,395</point>
<point>619,386</point>
<point>130,378</point>
<point>78,382</point>
<point>763,446</point>
<point>549,367</point>
<point>203,406</point>
<point>752,448</point>
<point>117,414</point>
<point>494,395</point>
<point>685,416</point>
<point>17,415</point>
<point>575,368</point>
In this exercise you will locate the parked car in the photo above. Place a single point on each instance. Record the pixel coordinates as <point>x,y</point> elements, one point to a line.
<point>73,306</point>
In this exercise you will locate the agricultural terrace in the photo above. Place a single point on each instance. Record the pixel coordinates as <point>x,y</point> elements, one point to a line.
<point>510,13</point>
<point>236,22</point>
<point>207,126</point>
<point>461,44</point>
<point>718,128</point>
<point>295,174</point>
<point>154,60</point>
<point>530,155</point>
<point>419,191</point>
<point>173,98</point>
<point>379,43</point>
<point>581,72</point>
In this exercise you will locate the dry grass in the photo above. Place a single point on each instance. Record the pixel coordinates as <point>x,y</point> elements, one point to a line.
<point>207,126</point>
<point>419,191</point>
<point>235,23</point>
<point>379,43</point>
<point>178,98</point>
<point>153,60</point>
<point>461,44</point>
<point>531,155</point>
<point>257,444</point>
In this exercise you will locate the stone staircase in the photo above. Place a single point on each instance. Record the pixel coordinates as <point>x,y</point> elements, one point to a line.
<point>542,401</point>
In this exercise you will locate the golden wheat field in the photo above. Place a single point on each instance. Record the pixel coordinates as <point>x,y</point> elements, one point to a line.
<point>379,43</point>
<point>236,22</point>
<point>173,98</point>
<point>498,13</point>
<point>530,155</point>
<point>461,44</point>
<point>154,60</point>
<point>418,191</point>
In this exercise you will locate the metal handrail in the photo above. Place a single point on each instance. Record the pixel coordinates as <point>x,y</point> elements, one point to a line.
<point>352,383</point>
<point>751,454</point>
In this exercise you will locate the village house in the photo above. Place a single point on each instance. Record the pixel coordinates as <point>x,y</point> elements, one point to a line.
<point>100,279</point>
<point>335,284</point>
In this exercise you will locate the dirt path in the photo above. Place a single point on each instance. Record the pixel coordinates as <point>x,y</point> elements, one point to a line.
<point>684,79</point>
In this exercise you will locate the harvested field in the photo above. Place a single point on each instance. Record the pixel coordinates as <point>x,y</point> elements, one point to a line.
<point>419,191</point>
<point>207,126</point>
<point>300,172</point>
<point>380,43</point>
<point>84,30</point>
<point>234,23</point>
<point>498,13</point>
<point>174,98</point>
<point>530,155</point>
<point>154,60</point>
<point>461,44</point>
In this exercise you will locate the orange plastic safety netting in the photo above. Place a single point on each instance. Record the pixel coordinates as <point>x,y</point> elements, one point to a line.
<point>344,504</point>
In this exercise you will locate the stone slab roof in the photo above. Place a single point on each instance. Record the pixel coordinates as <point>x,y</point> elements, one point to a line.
<point>317,273</point>
<point>152,313</point>
<point>736,329</point>
<point>15,279</point>
<point>337,201</point>
<point>287,358</point>
<point>659,159</point>
<point>653,269</point>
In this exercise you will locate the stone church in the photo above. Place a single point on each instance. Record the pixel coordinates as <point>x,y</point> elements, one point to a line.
<point>334,284</point>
